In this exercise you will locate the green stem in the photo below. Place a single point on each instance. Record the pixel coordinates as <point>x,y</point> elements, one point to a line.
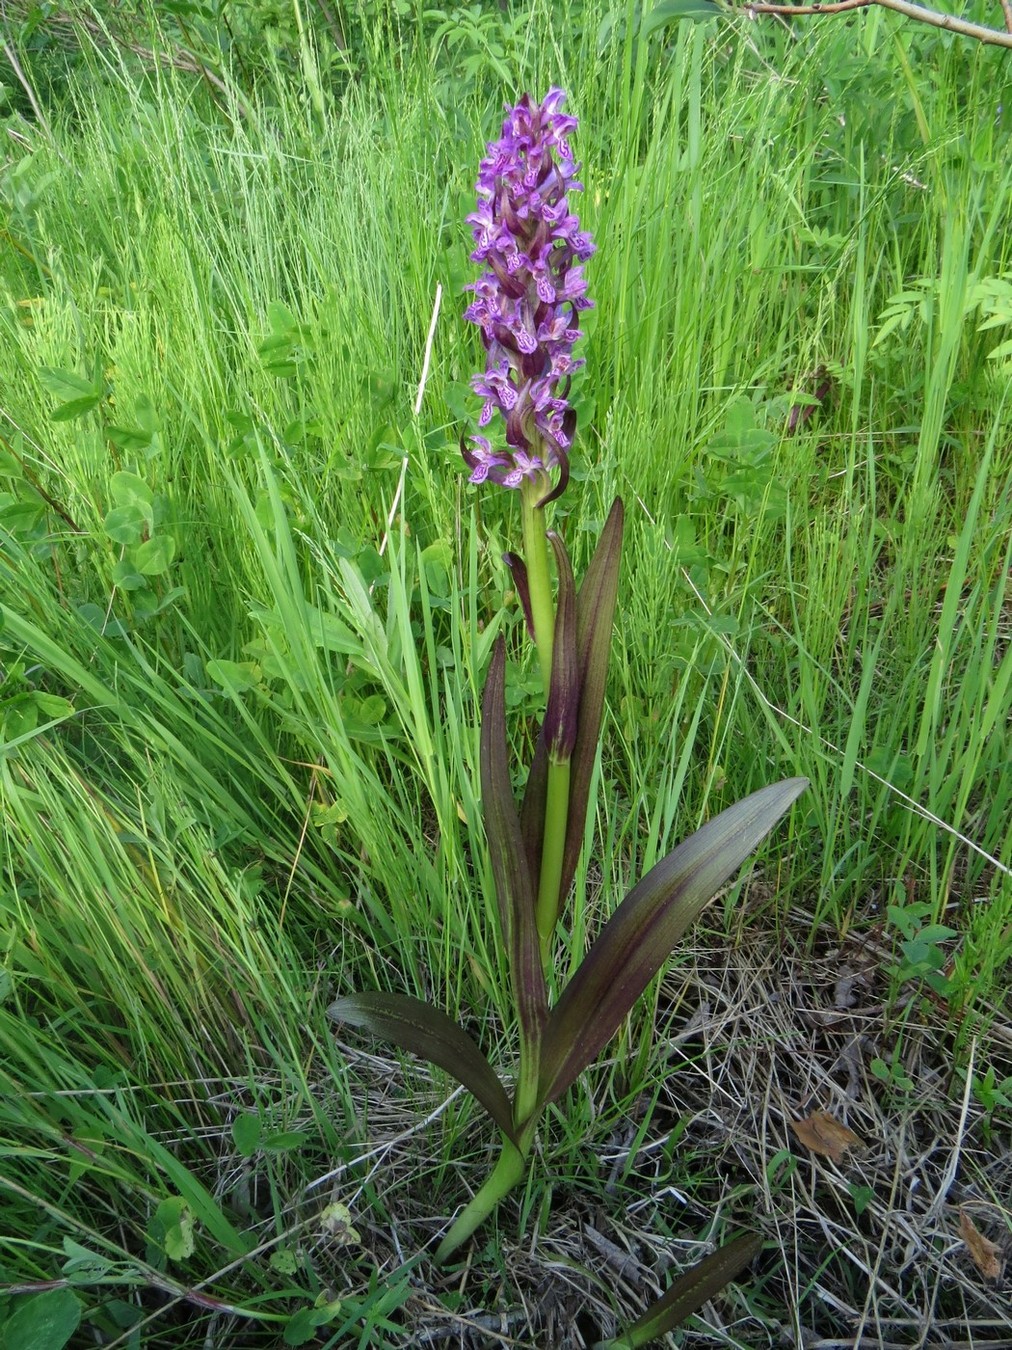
<point>556,817</point>
<point>539,580</point>
<point>508,1171</point>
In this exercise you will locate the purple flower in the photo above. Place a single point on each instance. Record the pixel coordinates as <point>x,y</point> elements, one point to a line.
<point>528,298</point>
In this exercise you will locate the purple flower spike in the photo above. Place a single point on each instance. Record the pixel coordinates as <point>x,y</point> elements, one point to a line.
<point>527,300</point>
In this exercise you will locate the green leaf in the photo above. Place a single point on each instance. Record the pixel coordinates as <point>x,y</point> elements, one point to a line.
<point>11,463</point>
<point>126,524</point>
<point>513,880</point>
<point>300,1329</point>
<point>155,555</point>
<point>246,1131</point>
<point>21,518</point>
<point>126,578</point>
<point>284,1141</point>
<point>65,384</point>
<point>669,11</point>
<point>77,407</point>
<point>303,1326</point>
<point>20,716</point>
<point>285,1260</point>
<point>281,319</point>
<point>202,1204</point>
<point>97,618</point>
<point>128,439</point>
<point>428,1032</point>
<point>74,394</point>
<point>235,676</point>
<point>640,935</point>
<point>688,1293</point>
<point>129,489</point>
<point>174,1218</point>
<point>43,1321</point>
<point>83,1266</point>
<point>53,705</point>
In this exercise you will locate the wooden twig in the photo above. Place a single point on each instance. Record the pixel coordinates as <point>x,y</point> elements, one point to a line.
<point>25,83</point>
<point>33,481</point>
<point>905,7</point>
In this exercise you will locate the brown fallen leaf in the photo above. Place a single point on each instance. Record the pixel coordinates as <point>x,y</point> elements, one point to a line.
<point>824,1134</point>
<point>987,1255</point>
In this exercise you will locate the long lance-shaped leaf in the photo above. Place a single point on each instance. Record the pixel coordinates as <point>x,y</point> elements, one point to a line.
<point>688,1293</point>
<point>429,1033</point>
<point>640,935</point>
<point>513,885</point>
<point>595,612</point>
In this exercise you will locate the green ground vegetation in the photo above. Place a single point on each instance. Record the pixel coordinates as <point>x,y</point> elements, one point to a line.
<point>248,598</point>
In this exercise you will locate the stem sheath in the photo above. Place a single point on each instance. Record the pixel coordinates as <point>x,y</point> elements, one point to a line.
<point>539,578</point>
<point>549,900</point>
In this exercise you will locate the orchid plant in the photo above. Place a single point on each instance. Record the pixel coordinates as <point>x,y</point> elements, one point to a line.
<point>527,304</point>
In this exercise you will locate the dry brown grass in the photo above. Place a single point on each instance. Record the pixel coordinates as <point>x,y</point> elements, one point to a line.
<point>863,1252</point>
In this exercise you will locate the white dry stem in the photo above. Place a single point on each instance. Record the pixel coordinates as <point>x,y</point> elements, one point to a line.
<point>417,409</point>
<point>381,1150</point>
<point>952,1166</point>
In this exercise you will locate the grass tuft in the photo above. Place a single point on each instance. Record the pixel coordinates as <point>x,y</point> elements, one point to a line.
<point>247,605</point>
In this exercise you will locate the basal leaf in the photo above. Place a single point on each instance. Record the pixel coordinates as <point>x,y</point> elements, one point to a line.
<point>513,882</point>
<point>640,935</point>
<point>429,1033</point>
<point>688,1293</point>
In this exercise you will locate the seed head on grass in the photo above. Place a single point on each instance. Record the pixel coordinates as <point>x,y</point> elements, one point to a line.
<point>528,299</point>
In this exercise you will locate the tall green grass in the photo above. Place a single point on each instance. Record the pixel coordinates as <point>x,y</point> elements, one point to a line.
<point>261,787</point>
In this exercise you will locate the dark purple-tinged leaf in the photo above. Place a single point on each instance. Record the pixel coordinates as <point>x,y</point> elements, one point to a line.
<point>688,1293</point>
<point>518,568</point>
<point>514,887</point>
<point>821,383</point>
<point>429,1033</point>
<point>639,936</point>
<point>595,612</point>
<point>564,690</point>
